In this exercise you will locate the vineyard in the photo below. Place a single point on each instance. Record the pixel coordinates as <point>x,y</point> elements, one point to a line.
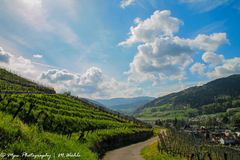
<point>179,143</point>
<point>12,83</point>
<point>36,120</point>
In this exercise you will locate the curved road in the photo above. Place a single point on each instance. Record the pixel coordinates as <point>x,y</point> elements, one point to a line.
<point>131,152</point>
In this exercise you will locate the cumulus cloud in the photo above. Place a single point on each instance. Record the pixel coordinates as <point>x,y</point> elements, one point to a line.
<point>161,59</point>
<point>212,58</point>
<point>161,55</point>
<point>93,83</point>
<point>205,5</point>
<point>161,23</point>
<point>126,3</point>
<point>55,75</point>
<point>229,66</point>
<point>205,42</point>
<point>210,42</point>
<point>198,68</point>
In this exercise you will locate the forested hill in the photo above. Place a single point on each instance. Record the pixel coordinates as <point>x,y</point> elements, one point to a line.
<point>209,97</point>
<point>200,95</point>
<point>11,82</point>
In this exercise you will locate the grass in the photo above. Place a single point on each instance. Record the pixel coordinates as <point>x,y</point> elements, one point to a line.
<point>151,153</point>
<point>16,137</point>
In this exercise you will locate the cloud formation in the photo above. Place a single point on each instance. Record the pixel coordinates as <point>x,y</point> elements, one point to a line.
<point>228,67</point>
<point>212,58</point>
<point>20,64</point>
<point>93,83</point>
<point>198,68</point>
<point>161,23</point>
<point>161,55</point>
<point>126,3</point>
<point>163,58</point>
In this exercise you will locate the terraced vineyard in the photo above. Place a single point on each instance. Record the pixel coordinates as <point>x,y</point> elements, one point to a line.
<point>10,82</point>
<point>55,123</point>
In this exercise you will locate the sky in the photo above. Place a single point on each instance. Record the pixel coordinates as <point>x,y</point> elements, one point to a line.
<point>120,48</point>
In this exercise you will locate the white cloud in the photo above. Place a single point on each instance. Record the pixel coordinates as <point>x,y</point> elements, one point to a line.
<point>92,83</point>
<point>38,56</point>
<point>205,42</point>
<point>161,23</point>
<point>205,5</point>
<point>55,75</point>
<point>212,58</point>
<point>21,65</point>
<point>161,59</point>
<point>163,56</point>
<point>198,68</point>
<point>210,42</point>
<point>126,3</point>
<point>229,66</point>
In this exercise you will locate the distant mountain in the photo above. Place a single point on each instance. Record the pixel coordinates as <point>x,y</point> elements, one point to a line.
<point>125,105</point>
<point>213,97</point>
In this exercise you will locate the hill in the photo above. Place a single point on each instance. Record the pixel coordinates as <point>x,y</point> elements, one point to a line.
<point>42,122</point>
<point>11,82</point>
<point>215,98</point>
<point>125,105</point>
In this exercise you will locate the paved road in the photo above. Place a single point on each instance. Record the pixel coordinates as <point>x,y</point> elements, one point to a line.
<point>131,152</point>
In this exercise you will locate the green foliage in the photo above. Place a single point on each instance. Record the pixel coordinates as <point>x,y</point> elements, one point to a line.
<point>12,83</point>
<point>16,137</point>
<point>179,143</point>
<point>60,114</point>
<point>60,123</point>
<point>36,120</point>
<point>151,153</point>
<point>214,100</point>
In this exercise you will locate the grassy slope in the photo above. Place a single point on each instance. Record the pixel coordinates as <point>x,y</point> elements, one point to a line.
<point>10,82</point>
<point>17,137</point>
<point>54,123</point>
<point>62,115</point>
<point>151,153</point>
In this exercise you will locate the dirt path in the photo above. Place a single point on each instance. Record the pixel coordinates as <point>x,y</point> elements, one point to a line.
<point>131,152</point>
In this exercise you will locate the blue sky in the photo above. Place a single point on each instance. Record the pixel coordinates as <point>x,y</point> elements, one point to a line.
<point>120,48</point>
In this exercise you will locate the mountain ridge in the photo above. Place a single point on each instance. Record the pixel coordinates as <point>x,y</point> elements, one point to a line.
<point>195,99</point>
<point>125,105</point>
